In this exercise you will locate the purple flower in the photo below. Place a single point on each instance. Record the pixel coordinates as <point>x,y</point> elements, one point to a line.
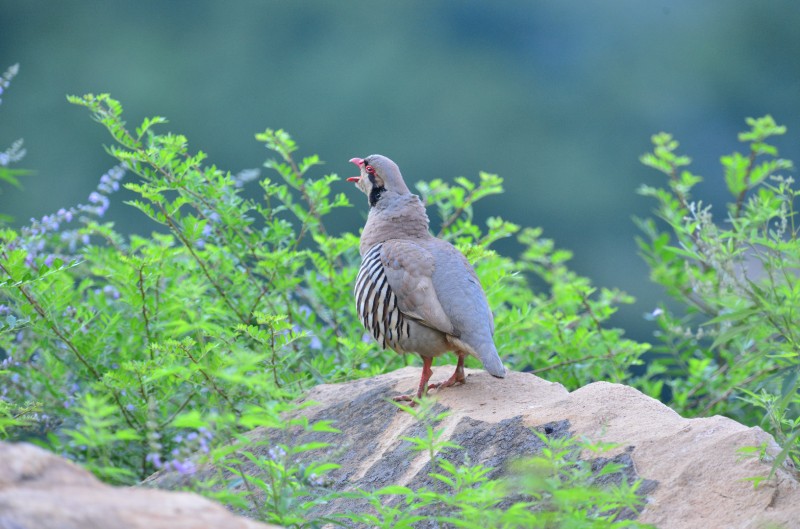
<point>100,202</point>
<point>154,458</point>
<point>111,292</point>
<point>108,184</point>
<point>185,467</point>
<point>247,175</point>
<point>276,452</point>
<point>64,214</point>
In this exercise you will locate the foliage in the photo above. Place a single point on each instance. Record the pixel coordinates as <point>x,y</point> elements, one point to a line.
<point>132,354</point>
<point>735,348</point>
<point>278,488</point>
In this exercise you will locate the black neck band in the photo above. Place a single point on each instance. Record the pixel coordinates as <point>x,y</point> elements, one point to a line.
<point>375,195</point>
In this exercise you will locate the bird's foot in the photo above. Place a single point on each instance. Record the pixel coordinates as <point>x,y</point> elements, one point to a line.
<point>407,400</point>
<point>452,381</point>
<point>446,384</point>
<point>458,377</point>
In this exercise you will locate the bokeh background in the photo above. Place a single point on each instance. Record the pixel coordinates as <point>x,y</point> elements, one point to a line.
<point>559,97</point>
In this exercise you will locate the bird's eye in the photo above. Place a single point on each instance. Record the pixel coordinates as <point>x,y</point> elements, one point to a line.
<point>370,169</point>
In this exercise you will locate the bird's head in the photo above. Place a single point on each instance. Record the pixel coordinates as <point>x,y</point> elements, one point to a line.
<point>379,177</point>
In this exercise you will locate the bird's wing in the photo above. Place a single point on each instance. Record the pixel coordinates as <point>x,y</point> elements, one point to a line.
<point>409,270</point>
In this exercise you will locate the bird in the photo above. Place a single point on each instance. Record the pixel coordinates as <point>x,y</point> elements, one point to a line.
<point>416,293</point>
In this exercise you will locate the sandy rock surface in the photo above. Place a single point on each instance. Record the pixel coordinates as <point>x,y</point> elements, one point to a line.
<point>39,490</point>
<point>693,476</point>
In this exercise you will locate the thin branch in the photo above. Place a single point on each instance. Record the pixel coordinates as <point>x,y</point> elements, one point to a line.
<point>456,214</point>
<point>177,411</point>
<point>202,371</point>
<point>610,354</point>
<point>740,199</point>
<point>730,390</point>
<point>572,361</point>
<point>72,347</point>
<point>202,264</point>
<point>144,309</point>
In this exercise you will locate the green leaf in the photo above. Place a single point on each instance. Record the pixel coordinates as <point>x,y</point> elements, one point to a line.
<point>736,166</point>
<point>191,419</point>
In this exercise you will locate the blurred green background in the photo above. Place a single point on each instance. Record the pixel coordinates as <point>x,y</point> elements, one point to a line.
<point>558,97</point>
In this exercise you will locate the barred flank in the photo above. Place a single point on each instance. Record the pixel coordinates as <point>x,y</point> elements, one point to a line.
<point>377,304</point>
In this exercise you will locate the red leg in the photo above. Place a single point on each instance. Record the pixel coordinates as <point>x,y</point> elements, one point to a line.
<point>457,378</point>
<point>423,382</point>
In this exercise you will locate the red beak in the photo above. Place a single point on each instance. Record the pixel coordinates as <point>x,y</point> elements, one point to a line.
<point>359,162</point>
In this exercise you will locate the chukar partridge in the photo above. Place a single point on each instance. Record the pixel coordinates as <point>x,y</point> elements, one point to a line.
<point>414,292</point>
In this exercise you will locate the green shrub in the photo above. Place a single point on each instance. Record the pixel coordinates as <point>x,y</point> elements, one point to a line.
<point>732,345</point>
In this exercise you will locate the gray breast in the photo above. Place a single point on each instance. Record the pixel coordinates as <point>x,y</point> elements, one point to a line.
<point>376,303</point>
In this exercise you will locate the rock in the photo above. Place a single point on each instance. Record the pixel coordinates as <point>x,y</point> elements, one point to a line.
<point>692,475</point>
<point>39,490</point>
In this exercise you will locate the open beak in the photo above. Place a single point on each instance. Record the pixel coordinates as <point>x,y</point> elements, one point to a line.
<point>360,163</point>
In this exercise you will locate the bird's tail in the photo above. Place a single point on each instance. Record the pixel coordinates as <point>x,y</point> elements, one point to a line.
<point>486,352</point>
<point>491,360</point>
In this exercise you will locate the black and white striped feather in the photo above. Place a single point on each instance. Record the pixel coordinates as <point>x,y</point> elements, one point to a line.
<point>377,304</point>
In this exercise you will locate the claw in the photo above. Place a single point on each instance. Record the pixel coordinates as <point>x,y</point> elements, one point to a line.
<point>411,399</point>
<point>458,377</point>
